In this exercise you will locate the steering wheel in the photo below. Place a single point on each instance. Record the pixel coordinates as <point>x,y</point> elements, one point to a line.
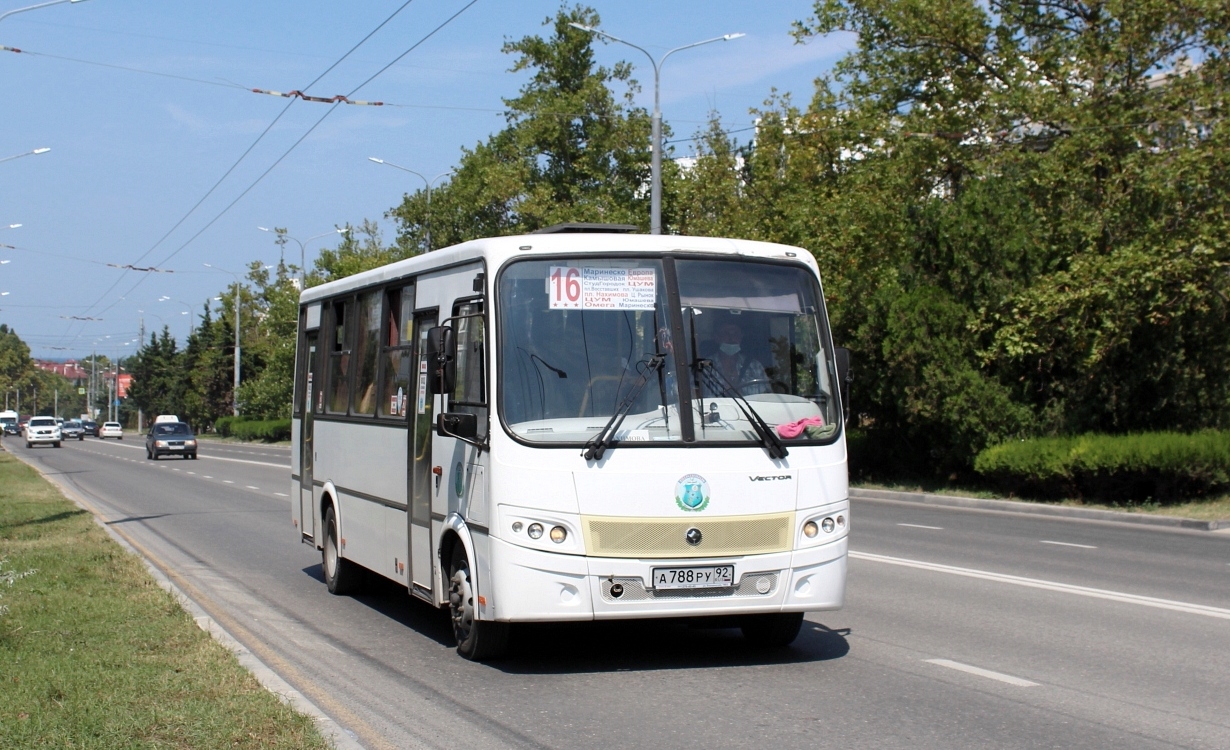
<point>775,386</point>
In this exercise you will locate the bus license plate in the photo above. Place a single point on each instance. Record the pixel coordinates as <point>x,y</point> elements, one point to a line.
<point>712,577</point>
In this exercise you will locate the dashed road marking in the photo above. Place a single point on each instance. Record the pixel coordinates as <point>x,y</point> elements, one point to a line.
<point>1069,544</point>
<point>982,672</point>
<point>920,526</point>
<point>1064,588</point>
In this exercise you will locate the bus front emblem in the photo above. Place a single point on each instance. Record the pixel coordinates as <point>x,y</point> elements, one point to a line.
<point>692,493</point>
<point>693,536</point>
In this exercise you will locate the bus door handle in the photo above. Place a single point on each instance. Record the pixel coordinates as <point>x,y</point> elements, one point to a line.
<point>439,472</point>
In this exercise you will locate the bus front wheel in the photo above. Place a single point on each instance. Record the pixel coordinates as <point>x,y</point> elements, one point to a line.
<point>776,630</point>
<point>476,639</point>
<point>341,575</point>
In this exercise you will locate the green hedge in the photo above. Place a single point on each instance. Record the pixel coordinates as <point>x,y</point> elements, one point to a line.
<point>1160,467</point>
<point>267,430</point>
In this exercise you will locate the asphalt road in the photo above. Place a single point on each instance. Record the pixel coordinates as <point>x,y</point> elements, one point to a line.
<point>962,629</point>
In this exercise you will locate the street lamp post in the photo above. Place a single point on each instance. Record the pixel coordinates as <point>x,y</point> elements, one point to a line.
<point>36,7</point>
<point>35,152</point>
<point>655,200</point>
<point>429,183</point>
<point>186,311</point>
<point>235,395</point>
<point>302,252</point>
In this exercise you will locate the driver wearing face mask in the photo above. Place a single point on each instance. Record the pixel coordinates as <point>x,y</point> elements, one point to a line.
<point>740,370</point>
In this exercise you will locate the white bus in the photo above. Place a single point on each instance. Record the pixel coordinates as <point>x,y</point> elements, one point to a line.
<point>578,425</point>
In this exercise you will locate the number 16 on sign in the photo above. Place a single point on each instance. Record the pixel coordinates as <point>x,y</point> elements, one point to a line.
<point>564,288</point>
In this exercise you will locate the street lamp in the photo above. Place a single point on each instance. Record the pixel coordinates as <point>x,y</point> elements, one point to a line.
<point>36,7</point>
<point>186,311</point>
<point>302,253</point>
<point>429,183</point>
<point>235,396</point>
<point>35,152</point>
<point>655,201</point>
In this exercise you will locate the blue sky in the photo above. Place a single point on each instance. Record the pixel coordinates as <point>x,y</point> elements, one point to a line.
<point>131,152</point>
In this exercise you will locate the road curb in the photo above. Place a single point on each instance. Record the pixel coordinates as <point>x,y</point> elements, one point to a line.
<point>333,732</point>
<point>1038,509</point>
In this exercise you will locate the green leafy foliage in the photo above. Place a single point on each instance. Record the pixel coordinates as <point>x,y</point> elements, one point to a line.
<point>571,151</point>
<point>1158,467</point>
<point>265,430</point>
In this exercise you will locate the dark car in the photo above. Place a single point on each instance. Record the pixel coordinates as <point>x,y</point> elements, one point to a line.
<point>72,429</point>
<point>170,439</point>
<point>90,427</point>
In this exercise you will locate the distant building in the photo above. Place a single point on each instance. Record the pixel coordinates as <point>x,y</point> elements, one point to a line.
<point>69,369</point>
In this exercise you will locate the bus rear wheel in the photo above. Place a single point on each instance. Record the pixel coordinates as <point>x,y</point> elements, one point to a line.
<point>341,575</point>
<point>477,639</point>
<point>775,630</point>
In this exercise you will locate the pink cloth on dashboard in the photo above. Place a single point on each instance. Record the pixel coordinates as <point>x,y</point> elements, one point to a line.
<point>794,429</point>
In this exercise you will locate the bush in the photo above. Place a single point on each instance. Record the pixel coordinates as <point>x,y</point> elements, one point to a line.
<point>1161,467</point>
<point>267,430</point>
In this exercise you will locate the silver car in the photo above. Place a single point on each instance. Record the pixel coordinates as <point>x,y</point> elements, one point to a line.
<point>41,430</point>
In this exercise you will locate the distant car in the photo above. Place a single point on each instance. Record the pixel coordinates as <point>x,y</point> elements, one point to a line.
<point>11,426</point>
<point>170,439</point>
<point>90,427</point>
<point>41,430</point>
<point>111,429</point>
<point>72,429</point>
<point>161,418</point>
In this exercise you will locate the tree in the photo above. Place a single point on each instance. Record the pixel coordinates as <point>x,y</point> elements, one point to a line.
<point>1020,211</point>
<point>570,151</point>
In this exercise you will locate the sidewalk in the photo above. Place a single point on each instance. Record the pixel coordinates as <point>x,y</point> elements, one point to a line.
<point>1039,509</point>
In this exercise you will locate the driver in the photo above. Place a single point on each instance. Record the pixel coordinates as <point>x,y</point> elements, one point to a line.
<point>740,370</point>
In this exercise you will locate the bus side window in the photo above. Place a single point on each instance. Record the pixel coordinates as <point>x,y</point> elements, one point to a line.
<point>339,357</point>
<point>398,352</point>
<point>470,395</point>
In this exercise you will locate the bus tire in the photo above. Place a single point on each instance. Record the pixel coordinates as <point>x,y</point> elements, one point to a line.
<point>341,575</point>
<point>775,630</point>
<point>477,640</point>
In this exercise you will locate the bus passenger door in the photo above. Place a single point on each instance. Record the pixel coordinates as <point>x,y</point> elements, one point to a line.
<point>422,480</point>
<point>307,512</point>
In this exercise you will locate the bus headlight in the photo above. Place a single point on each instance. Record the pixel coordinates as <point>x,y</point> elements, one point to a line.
<point>558,534</point>
<point>810,529</point>
<point>828,525</point>
<point>535,531</point>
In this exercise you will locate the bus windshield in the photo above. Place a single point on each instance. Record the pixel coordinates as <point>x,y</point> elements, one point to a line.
<point>578,334</point>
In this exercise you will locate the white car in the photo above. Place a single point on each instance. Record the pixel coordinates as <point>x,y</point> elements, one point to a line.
<point>111,429</point>
<point>42,430</point>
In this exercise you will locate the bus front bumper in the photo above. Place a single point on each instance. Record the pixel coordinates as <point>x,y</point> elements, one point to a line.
<point>534,586</point>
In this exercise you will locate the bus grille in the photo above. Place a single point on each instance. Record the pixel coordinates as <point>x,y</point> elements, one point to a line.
<point>667,537</point>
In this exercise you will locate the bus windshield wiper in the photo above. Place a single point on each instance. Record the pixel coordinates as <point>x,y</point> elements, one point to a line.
<point>598,444</point>
<point>717,382</point>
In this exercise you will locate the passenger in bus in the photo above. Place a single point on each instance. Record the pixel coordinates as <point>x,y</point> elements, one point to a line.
<point>738,368</point>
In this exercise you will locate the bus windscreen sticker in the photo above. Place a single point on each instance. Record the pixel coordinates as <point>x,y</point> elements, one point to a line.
<point>571,288</point>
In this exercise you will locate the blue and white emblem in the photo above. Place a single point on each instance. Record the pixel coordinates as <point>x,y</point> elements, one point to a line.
<point>692,493</point>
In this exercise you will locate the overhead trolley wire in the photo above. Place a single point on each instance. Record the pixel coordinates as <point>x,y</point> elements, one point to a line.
<point>243,156</point>
<point>293,146</point>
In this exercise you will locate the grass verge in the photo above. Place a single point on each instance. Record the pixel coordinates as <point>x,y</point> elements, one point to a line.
<point>1207,509</point>
<point>94,654</point>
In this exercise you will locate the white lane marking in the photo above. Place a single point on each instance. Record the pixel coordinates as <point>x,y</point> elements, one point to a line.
<point>1065,588</point>
<point>250,487</point>
<point>244,461</point>
<point>283,494</point>
<point>227,481</point>
<point>192,472</point>
<point>1069,544</point>
<point>216,458</point>
<point>920,526</point>
<point>982,672</point>
<point>207,476</point>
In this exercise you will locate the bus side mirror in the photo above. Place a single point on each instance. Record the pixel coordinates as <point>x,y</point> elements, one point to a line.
<point>842,355</point>
<point>441,360</point>
<point>457,424</point>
